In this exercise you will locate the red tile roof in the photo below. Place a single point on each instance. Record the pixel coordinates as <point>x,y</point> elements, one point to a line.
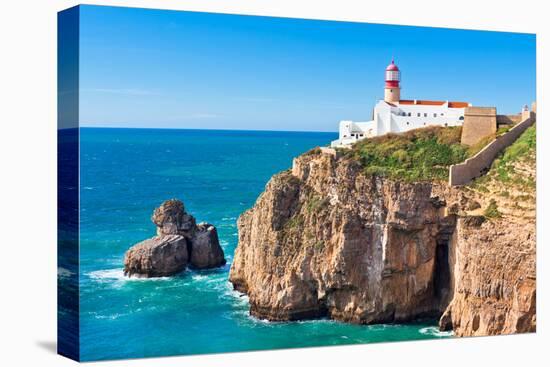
<point>458,104</point>
<point>433,103</point>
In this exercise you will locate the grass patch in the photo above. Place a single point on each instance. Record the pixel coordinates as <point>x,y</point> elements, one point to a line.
<point>476,148</point>
<point>503,130</point>
<point>524,145</point>
<point>492,210</point>
<point>504,169</point>
<point>416,155</point>
<point>521,149</point>
<point>316,203</point>
<point>295,222</point>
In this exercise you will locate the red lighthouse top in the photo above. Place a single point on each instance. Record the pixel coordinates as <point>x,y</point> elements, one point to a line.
<point>392,66</point>
<point>393,75</point>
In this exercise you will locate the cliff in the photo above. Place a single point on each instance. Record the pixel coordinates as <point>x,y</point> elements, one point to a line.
<point>493,260</point>
<point>332,238</point>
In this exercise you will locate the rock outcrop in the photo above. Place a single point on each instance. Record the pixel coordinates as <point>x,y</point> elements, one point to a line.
<point>157,257</point>
<point>494,279</point>
<point>326,240</point>
<point>179,243</point>
<point>206,251</point>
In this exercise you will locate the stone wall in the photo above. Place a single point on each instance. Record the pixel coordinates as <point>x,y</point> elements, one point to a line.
<point>509,119</point>
<point>463,173</point>
<point>479,122</point>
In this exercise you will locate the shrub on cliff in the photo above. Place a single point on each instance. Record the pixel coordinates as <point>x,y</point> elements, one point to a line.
<point>416,155</point>
<point>492,210</point>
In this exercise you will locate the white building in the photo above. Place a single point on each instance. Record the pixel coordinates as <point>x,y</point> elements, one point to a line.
<point>395,115</point>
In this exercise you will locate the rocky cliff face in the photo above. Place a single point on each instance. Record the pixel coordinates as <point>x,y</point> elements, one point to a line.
<point>179,243</point>
<point>493,260</point>
<point>494,279</point>
<point>326,240</point>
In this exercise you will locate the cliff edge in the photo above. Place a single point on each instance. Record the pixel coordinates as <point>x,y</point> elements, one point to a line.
<point>343,236</point>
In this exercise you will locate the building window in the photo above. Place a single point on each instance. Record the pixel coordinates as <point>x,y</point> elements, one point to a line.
<point>425,114</point>
<point>418,114</point>
<point>442,113</point>
<point>407,122</point>
<point>435,114</point>
<point>461,118</point>
<point>424,124</point>
<point>409,114</point>
<point>446,124</point>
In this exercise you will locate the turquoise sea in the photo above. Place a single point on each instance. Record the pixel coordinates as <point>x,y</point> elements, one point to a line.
<point>125,174</point>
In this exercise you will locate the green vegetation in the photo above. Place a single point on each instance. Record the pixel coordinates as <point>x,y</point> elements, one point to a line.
<point>524,145</point>
<point>295,222</point>
<point>503,130</point>
<point>315,203</point>
<point>416,155</point>
<point>314,151</point>
<point>511,178</point>
<point>504,194</point>
<point>522,150</point>
<point>319,245</point>
<point>492,210</point>
<point>476,148</point>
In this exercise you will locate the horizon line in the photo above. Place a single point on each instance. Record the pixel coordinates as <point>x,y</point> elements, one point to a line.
<point>196,129</point>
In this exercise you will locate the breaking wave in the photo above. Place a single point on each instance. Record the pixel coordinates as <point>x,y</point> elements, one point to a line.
<point>434,331</point>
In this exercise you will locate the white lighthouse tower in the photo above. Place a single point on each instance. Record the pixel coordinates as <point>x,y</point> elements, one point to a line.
<point>392,91</point>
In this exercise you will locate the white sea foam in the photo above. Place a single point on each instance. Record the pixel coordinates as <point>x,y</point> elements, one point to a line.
<point>63,272</point>
<point>109,317</point>
<point>197,277</point>
<point>107,275</point>
<point>434,331</point>
<point>117,277</point>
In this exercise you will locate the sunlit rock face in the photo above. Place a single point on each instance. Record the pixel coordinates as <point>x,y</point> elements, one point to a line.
<point>324,240</point>
<point>179,243</point>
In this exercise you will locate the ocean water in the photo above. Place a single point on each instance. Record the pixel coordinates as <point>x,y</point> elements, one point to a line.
<point>125,174</point>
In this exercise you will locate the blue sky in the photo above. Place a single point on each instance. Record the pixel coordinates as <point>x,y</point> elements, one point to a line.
<point>171,69</point>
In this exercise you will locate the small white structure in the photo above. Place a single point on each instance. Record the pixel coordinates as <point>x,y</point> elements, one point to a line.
<point>395,115</point>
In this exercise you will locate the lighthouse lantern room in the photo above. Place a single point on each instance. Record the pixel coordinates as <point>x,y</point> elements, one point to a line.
<point>392,91</point>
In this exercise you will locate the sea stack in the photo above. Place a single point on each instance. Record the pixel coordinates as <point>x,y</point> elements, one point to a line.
<point>179,243</point>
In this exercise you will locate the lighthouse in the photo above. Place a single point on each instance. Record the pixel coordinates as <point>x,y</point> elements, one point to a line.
<point>396,115</point>
<point>392,91</point>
